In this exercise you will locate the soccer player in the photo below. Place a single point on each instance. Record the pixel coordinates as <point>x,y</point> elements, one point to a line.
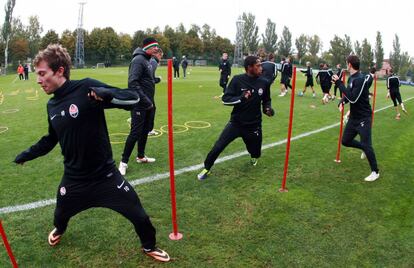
<point>286,71</point>
<point>76,120</point>
<point>339,73</point>
<point>324,78</point>
<point>26,71</point>
<point>176,66</point>
<point>393,86</point>
<point>184,64</point>
<point>357,94</point>
<point>20,71</point>
<point>154,61</point>
<point>269,69</point>
<point>141,79</point>
<point>309,79</point>
<point>225,71</point>
<point>246,92</point>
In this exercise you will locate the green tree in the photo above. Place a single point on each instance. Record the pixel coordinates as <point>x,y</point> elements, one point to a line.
<point>137,39</point>
<point>175,42</point>
<point>250,33</point>
<point>178,40</point>
<point>18,30</point>
<point>104,44</point>
<point>194,31</point>
<point>314,46</point>
<point>395,56</point>
<point>18,33</point>
<point>34,31</point>
<point>379,50</point>
<point>125,47</point>
<point>68,41</point>
<point>357,48</point>
<point>192,46</point>
<point>348,46</point>
<point>338,50</point>
<point>221,45</point>
<point>285,43</point>
<point>51,37</point>
<point>6,30</point>
<point>207,36</point>
<point>405,64</point>
<point>301,46</point>
<point>367,56</point>
<point>19,49</point>
<point>270,37</point>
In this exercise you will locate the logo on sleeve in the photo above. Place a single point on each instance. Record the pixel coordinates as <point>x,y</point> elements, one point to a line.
<point>73,110</point>
<point>62,191</point>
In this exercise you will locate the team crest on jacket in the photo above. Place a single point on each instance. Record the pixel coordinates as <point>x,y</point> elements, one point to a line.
<point>62,191</point>
<point>73,110</point>
<point>260,91</point>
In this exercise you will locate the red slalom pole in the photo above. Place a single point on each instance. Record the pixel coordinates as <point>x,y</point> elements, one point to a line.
<point>292,104</point>
<point>6,244</point>
<point>175,235</point>
<point>373,101</point>
<point>338,152</point>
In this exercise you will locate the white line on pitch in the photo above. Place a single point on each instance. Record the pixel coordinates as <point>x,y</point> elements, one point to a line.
<point>165,175</point>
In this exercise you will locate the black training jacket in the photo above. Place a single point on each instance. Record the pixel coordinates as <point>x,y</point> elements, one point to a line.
<point>141,79</point>
<point>287,70</point>
<point>246,112</point>
<point>154,64</point>
<point>325,77</point>
<point>269,71</point>
<point>393,83</point>
<point>225,67</point>
<point>78,123</point>
<point>308,73</point>
<point>340,73</point>
<point>357,94</point>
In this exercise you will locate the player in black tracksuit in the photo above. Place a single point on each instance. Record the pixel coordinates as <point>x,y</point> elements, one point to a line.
<point>154,61</point>
<point>309,79</point>
<point>77,122</point>
<point>324,78</point>
<point>269,69</point>
<point>286,71</point>
<point>176,66</point>
<point>340,74</point>
<point>225,71</point>
<point>393,86</point>
<point>184,64</point>
<point>357,94</point>
<point>247,93</point>
<point>141,79</point>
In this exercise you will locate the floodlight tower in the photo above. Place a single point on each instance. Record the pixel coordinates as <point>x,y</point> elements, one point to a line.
<point>80,52</point>
<point>238,48</point>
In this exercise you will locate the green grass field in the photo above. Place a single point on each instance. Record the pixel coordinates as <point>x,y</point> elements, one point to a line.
<point>236,218</point>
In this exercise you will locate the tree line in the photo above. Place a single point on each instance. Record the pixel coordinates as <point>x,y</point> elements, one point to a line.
<point>106,45</point>
<point>310,48</point>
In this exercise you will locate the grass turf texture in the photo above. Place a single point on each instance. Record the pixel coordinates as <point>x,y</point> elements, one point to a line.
<point>237,217</point>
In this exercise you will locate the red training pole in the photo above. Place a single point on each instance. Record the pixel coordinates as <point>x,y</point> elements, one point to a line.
<point>292,104</point>
<point>338,152</point>
<point>175,235</point>
<point>373,101</point>
<point>6,244</point>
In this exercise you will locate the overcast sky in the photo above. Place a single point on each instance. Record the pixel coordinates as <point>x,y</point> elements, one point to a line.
<point>358,18</point>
